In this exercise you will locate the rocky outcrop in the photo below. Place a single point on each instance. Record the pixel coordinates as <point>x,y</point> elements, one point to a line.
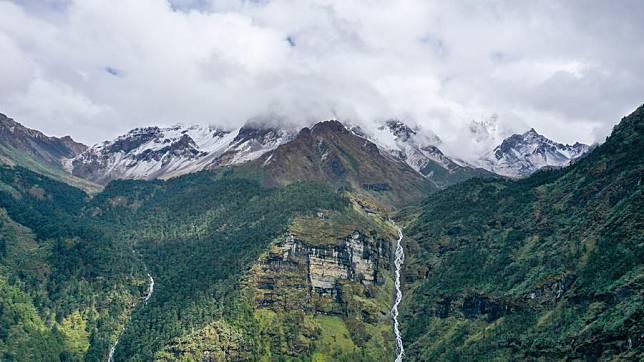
<point>297,275</point>
<point>472,306</point>
<point>551,290</point>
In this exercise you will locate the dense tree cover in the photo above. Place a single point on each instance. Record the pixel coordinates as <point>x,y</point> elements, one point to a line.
<point>57,268</point>
<point>73,268</point>
<point>546,267</point>
<point>198,235</point>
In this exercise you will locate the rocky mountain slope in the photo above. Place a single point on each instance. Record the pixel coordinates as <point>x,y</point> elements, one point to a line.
<point>48,150</point>
<point>153,152</point>
<point>328,152</point>
<point>421,152</point>
<point>545,268</point>
<point>521,155</point>
<point>22,146</point>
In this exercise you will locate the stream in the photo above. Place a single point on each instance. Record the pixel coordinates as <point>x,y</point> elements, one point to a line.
<point>110,357</point>
<point>398,262</point>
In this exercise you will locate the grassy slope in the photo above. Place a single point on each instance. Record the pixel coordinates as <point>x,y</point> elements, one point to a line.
<point>547,267</point>
<point>10,156</point>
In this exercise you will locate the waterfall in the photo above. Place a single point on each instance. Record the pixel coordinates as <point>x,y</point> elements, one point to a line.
<point>110,357</point>
<point>398,262</point>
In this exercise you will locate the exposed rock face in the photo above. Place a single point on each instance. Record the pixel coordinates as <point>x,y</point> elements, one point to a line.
<point>295,273</point>
<point>473,306</point>
<point>551,290</point>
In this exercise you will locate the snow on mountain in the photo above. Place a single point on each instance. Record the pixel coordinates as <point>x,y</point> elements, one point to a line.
<point>154,152</point>
<point>251,142</point>
<point>522,154</point>
<point>419,150</point>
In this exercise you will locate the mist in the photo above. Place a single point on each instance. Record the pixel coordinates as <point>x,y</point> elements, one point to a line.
<point>94,69</point>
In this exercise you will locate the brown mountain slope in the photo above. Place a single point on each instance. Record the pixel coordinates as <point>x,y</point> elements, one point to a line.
<point>328,152</point>
<point>29,148</point>
<point>49,150</point>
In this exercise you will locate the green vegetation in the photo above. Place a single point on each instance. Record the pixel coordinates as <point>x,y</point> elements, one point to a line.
<point>198,254</point>
<point>76,266</point>
<point>63,283</point>
<point>13,157</point>
<point>549,267</point>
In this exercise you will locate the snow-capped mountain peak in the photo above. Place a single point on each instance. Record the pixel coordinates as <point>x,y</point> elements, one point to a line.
<point>400,130</point>
<point>154,152</point>
<point>522,154</point>
<point>419,149</point>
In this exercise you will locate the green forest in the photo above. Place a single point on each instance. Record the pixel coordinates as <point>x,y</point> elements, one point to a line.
<point>544,268</point>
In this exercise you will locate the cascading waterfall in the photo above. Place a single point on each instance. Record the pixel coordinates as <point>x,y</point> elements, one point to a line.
<point>150,289</point>
<point>398,262</point>
<point>110,357</point>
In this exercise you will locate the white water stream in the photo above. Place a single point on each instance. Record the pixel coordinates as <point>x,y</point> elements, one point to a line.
<point>110,358</point>
<point>398,262</point>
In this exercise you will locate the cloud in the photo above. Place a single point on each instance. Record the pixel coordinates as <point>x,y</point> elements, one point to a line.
<point>96,68</point>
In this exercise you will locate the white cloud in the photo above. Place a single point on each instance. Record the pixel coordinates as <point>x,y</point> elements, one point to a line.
<point>96,68</point>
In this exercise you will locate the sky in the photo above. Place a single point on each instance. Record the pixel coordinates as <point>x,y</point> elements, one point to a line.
<point>94,69</point>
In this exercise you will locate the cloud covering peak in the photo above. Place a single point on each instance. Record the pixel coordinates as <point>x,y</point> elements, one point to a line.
<point>95,68</point>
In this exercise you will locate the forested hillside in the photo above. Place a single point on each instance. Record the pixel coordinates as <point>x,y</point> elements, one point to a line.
<point>549,267</point>
<point>546,267</point>
<point>65,283</point>
<point>74,270</point>
<point>198,236</point>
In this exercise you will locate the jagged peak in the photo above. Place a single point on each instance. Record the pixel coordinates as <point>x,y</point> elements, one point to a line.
<point>531,132</point>
<point>522,154</point>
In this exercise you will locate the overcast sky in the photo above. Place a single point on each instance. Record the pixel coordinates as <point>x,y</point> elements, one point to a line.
<point>96,68</point>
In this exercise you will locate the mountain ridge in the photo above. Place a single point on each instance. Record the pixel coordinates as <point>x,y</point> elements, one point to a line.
<point>50,156</point>
<point>173,151</point>
<point>520,155</point>
<point>558,259</point>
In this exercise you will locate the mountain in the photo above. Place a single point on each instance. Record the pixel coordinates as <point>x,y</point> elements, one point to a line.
<point>154,152</point>
<point>51,151</point>
<point>420,151</point>
<point>548,267</point>
<point>208,265</point>
<point>46,155</point>
<point>522,154</point>
<point>288,253</point>
<point>198,267</point>
<point>328,152</point>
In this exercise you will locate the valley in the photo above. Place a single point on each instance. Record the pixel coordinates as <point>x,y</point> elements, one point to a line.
<point>321,181</point>
<point>321,244</point>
